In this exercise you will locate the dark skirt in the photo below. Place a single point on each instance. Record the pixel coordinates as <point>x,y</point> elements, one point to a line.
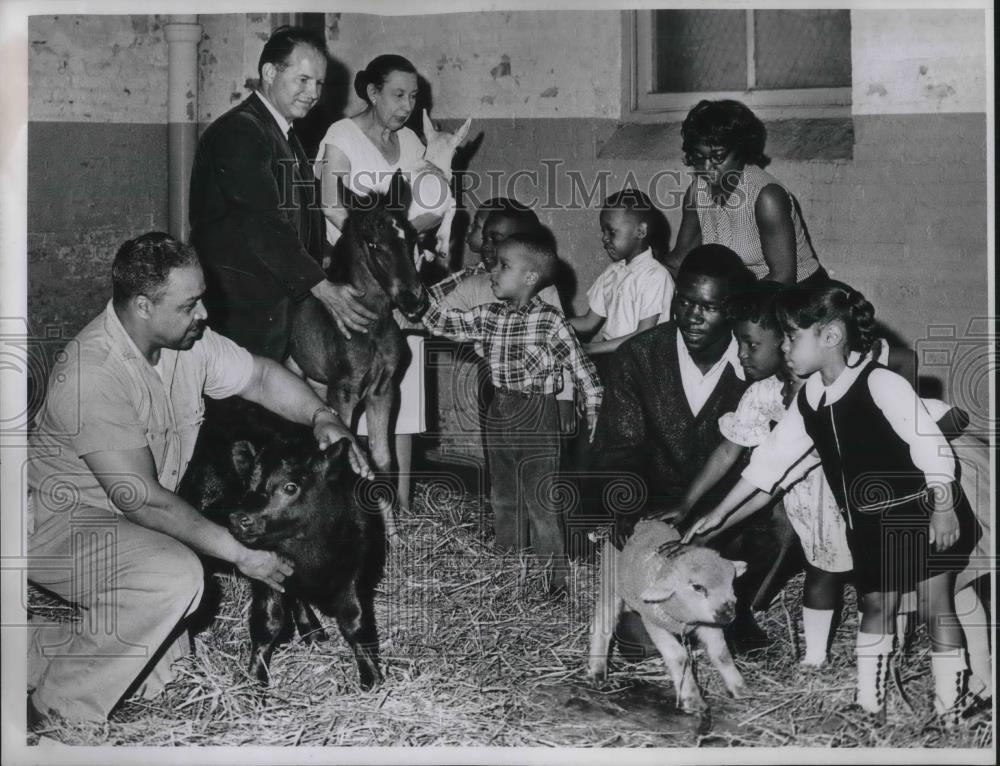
<point>892,550</point>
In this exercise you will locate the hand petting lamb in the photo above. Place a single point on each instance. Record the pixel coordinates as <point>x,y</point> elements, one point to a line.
<point>678,590</point>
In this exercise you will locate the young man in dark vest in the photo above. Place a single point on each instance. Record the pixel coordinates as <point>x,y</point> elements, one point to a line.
<point>664,394</point>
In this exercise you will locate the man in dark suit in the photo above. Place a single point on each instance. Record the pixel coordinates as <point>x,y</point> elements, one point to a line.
<point>256,219</point>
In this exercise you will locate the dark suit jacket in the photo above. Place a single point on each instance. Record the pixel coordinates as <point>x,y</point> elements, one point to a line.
<point>257,225</point>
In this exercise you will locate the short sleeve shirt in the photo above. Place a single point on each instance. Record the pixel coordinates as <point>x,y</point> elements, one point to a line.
<point>626,293</point>
<point>760,408</point>
<point>103,395</point>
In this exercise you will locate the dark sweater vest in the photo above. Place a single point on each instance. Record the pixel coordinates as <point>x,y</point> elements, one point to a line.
<point>646,428</point>
<point>865,461</point>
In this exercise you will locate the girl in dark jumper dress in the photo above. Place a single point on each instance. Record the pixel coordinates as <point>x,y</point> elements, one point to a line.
<point>888,465</point>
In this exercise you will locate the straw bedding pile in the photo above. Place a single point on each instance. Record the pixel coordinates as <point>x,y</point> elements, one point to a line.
<point>476,653</point>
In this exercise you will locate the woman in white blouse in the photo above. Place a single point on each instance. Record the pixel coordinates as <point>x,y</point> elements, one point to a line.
<point>361,153</point>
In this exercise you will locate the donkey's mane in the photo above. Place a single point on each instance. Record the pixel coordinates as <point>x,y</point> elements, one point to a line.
<point>362,220</point>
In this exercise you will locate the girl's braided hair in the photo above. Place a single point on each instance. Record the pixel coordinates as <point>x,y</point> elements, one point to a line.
<point>800,307</point>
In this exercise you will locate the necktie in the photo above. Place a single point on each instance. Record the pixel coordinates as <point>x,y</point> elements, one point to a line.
<point>306,194</point>
<point>300,154</point>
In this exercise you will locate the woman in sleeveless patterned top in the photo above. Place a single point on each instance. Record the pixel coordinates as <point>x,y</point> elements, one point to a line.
<point>732,201</point>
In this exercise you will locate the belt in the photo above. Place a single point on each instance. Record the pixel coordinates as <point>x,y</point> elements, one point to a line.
<point>892,503</point>
<point>518,394</point>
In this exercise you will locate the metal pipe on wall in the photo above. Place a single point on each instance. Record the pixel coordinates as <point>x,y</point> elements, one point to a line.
<point>183,33</point>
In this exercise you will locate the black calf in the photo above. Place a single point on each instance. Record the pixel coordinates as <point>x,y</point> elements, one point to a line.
<point>307,506</point>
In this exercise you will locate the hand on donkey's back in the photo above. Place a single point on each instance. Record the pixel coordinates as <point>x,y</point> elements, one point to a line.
<point>344,306</point>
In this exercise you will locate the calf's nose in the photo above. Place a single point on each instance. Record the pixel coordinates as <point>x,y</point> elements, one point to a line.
<point>240,521</point>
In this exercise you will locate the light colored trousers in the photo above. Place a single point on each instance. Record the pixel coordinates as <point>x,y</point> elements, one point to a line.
<point>135,587</point>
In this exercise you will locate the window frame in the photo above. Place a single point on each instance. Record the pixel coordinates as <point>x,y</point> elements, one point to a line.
<point>642,105</point>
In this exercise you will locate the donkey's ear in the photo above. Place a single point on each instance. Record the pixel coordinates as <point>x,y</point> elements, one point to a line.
<point>333,460</point>
<point>428,125</point>
<point>463,131</point>
<point>400,195</point>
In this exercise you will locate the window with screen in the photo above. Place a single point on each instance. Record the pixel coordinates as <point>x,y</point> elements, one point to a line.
<point>792,62</point>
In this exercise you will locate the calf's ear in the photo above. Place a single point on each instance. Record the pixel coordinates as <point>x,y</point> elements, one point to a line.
<point>739,566</point>
<point>242,454</point>
<point>660,591</point>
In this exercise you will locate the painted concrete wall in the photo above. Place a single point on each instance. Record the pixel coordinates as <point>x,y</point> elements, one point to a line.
<point>97,170</point>
<point>904,218</point>
<point>103,69</point>
<point>918,61</point>
<point>497,64</point>
<point>228,55</point>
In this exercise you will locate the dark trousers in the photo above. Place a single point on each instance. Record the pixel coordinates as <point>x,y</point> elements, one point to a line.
<point>523,449</point>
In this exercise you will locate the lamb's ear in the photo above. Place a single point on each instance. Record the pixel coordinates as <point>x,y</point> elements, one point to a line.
<point>739,566</point>
<point>428,126</point>
<point>462,132</point>
<point>660,591</point>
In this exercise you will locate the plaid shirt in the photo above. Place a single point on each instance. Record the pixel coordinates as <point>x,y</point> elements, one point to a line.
<point>441,289</point>
<point>526,347</point>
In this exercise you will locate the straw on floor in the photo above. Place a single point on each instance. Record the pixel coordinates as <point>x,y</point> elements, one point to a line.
<point>476,653</point>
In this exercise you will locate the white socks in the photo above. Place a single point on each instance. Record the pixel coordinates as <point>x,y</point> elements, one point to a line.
<point>873,650</point>
<point>816,625</point>
<point>948,669</point>
<point>972,615</point>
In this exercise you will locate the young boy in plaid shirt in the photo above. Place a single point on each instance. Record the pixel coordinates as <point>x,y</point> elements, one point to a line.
<point>526,343</point>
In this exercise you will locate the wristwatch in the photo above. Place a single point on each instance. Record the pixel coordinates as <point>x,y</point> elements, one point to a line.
<point>319,410</point>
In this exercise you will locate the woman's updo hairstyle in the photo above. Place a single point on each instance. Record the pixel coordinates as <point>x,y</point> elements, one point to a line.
<point>803,307</point>
<point>378,71</point>
<point>728,124</point>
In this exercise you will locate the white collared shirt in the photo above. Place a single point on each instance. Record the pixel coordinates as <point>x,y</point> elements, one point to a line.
<point>786,455</point>
<point>625,293</point>
<point>698,386</point>
<point>284,124</point>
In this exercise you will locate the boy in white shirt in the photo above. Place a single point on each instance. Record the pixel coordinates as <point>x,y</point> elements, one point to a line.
<point>631,294</point>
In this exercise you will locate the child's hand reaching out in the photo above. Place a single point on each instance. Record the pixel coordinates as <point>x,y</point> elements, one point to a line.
<point>703,525</point>
<point>944,529</point>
